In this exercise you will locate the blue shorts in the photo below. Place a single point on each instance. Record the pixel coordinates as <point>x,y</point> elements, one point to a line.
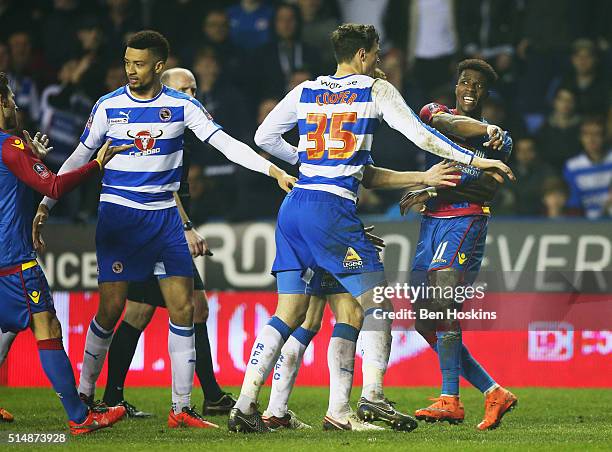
<point>24,291</point>
<point>134,244</point>
<point>457,243</point>
<point>320,231</point>
<point>321,284</point>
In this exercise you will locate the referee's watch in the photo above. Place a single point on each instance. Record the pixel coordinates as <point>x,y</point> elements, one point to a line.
<point>188,225</point>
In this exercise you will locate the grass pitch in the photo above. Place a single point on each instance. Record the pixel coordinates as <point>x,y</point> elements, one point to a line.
<point>545,419</point>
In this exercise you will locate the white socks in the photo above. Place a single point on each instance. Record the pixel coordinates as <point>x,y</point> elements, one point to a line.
<point>265,352</point>
<point>6,340</point>
<point>341,363</point>
<point>96,346</point>
<point>376,342</point>
<point>286,370</point>
<point>181,348</point>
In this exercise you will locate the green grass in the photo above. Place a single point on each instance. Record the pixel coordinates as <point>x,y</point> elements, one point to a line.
<point>546,419</point>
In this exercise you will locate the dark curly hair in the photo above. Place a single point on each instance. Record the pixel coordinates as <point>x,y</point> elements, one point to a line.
<point>151,40</point>
<point>478,65</point>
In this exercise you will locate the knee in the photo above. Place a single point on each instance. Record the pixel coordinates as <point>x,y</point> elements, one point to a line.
<point>181,313</point>
<point>138,315</point>
<point>200,307</point>
<point>351,314</point>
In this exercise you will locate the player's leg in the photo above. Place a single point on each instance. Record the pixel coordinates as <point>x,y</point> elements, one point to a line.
<point>290,313</point>
<point>277,414</point>
<point>127,242</point>
<point>100,334</point>
<point>55,363</point>
<point>216,401</point>
<point>6,340</point>
<point>143,297</point>
<point>341,364</point>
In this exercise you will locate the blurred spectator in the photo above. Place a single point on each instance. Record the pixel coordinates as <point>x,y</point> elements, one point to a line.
<point>298,77</point>
<point>20,77</point>
<point>545,34</point>
<point>365,12</point>
<point>608,204</point>
<point>277,61</point>
<point>554,198</point>
<point>317,26</point>
<point>587,81</point>
<point>62,21</point>
<point>256,189</point>
<point>250,23</point>
<point>222,100</point>
<point>114,78</point>
<point>589,174</point>
<point>14,17</point>
<point>197,190</point>
<point>179,21</point>
<point>122,18</point>
<point>558,137</point>
<point>530,172</point>
<point>495,111</point>
<point>432,40</point>
<point>215,30</point>
<point>486,28</point>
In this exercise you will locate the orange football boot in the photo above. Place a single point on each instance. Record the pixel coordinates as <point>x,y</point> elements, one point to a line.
<point>188,418</point>
<point>445,408</point>
<point>97,419</point>
<point>5,416</point>
<point>497,403</point>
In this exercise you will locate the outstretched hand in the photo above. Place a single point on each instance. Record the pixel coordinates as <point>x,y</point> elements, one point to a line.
<point>107,152</point>
<point>39,144</point>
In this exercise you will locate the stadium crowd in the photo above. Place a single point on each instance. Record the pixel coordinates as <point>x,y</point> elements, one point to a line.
<point>554,94</point>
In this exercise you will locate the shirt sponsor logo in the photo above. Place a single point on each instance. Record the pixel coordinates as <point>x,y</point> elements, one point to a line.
<point>144,142</point>
<point>122,120</point>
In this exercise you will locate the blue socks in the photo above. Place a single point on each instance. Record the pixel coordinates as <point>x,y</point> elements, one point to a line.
<point>449,355</point>
<point>57,366</point>
<point>472,371</point>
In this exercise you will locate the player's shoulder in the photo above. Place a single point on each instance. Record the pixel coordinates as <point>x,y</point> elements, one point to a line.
<point>181,97</point>
<point>112,95</point>
<point>428,111</point>
<point>577,163</point>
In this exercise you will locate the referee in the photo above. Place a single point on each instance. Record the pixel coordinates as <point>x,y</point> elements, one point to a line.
<point>145,297</point>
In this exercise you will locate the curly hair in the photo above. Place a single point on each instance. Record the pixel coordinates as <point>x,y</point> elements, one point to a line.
<point>151,40</point>
<point>478,65</point>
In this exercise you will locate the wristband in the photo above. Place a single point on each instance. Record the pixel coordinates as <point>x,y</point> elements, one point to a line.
<point>188,225</point>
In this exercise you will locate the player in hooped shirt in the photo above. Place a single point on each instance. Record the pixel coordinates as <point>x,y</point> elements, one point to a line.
<point>139,232</point>
<point>25,297</point>
<point>318,229</point>
<point>451,245</point>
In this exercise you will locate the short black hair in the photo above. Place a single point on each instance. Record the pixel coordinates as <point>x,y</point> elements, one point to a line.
<point>479,65</point>
<point>150,40</point>
<point>347,39</point>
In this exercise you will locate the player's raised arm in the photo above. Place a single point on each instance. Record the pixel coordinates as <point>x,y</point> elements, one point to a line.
<point>201,123</point>
<point>439,117</point>
<point>282,118</point>
<point>442,174</point>
<point>399,116</point>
